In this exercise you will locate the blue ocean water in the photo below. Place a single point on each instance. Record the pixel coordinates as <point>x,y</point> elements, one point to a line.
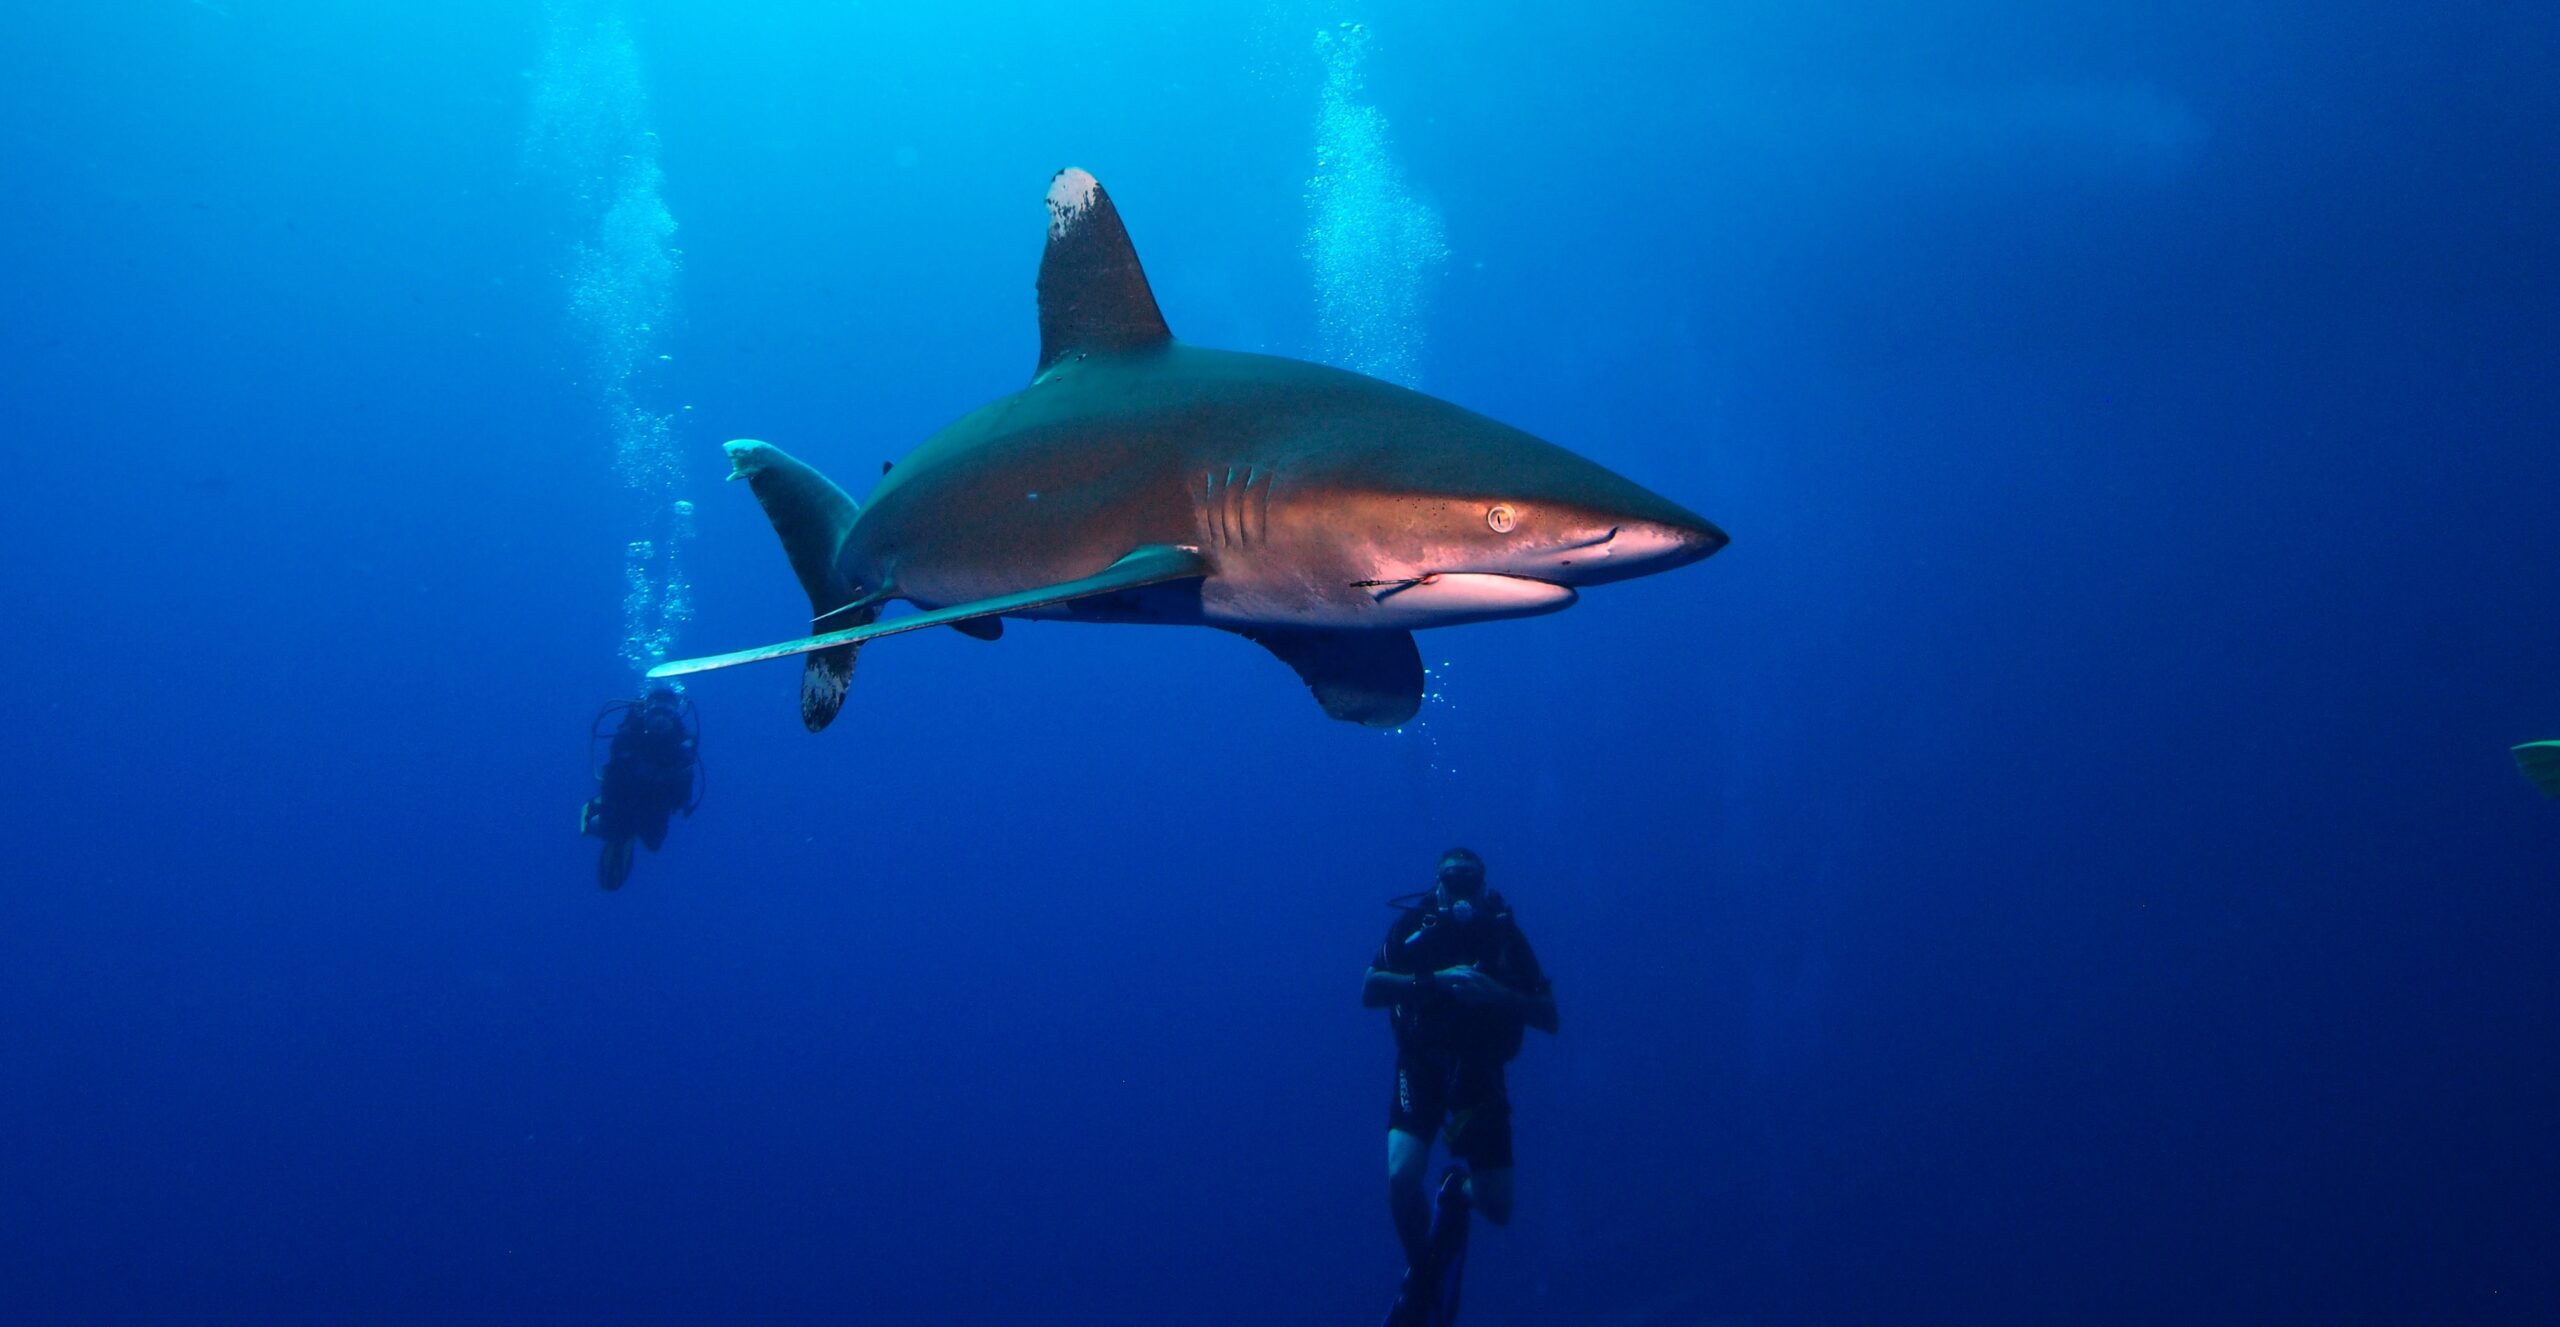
<point>2061,864</point>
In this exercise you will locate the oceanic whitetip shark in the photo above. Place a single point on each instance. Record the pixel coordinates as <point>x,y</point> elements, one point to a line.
<point>1319,513</point>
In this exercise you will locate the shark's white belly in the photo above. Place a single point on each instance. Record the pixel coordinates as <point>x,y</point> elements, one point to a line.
<point>1396,604</point>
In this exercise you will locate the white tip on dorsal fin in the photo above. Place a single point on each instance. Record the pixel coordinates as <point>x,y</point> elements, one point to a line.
<point>1093,295</point>
<point>1071,195</point>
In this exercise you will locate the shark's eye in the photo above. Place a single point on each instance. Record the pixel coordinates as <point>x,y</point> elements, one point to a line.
<point>1501,517</point>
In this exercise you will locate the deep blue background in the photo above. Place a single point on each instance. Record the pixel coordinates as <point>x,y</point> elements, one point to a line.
<point>2060,865</point>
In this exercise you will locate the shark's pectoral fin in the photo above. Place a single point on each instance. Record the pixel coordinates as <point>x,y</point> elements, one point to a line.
<point>1153,564</point>
<point>1366,677</point>
<point>1093,295</point>
<point>2540,762</point>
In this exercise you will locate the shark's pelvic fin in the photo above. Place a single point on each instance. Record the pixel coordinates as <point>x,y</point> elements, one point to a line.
<point>1093,295</point>
<point>1367,677</point>
<point>1153,564</point>
<point>2540,762</point>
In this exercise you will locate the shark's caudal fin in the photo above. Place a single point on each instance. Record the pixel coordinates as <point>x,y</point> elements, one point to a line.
<point>1093,295</point>
<point>2540,762</point>
<point>811,516</point>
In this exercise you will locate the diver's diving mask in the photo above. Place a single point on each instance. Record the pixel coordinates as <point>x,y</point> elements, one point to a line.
<point>1463,881</point>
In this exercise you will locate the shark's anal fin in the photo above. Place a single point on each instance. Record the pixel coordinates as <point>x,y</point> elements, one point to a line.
<point>1153,564</point>
<point>1093,295</point>
<point>1365,677</point>
<point>980,628</point>
<point>2540,762</point>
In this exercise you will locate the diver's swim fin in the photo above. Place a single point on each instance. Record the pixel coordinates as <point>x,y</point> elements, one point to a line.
<point>613,865</point>
<point>1153,564</point>
<point>2540,762</point>
<point>1430,1294</point>
<point>1449,1244</point>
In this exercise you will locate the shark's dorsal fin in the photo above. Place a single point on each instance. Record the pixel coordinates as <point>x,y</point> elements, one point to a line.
<point>1093,295</point>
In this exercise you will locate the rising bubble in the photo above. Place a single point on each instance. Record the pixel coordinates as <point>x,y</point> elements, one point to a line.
<point>1374,245</point>
<point>588,138</point>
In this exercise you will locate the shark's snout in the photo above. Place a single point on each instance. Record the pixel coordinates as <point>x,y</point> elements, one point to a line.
<point>1678,543</point>
<point>1639,546</point>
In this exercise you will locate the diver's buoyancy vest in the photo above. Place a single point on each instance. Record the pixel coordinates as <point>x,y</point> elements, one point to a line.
<point>1428,939</point>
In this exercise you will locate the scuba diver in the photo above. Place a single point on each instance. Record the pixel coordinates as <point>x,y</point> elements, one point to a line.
<point>1460,984</point>
<point>652,770</point>
<point>2540,762</point>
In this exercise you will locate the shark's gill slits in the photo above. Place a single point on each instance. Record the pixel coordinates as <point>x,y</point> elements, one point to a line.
<point>1235,508</point>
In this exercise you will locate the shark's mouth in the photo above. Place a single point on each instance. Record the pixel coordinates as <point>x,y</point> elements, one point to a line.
<point>1447,597</point>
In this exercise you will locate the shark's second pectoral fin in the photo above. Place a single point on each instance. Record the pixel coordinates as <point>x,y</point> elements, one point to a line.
<point>1154,564</point>
<point>2540,762</point>
<point>1366,677</point>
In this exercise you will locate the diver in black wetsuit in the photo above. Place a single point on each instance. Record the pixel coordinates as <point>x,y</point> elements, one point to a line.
<point>1461,984</point>
<point>651,772</point>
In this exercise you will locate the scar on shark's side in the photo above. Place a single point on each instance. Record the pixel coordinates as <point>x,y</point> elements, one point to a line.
<point>1321,514</point>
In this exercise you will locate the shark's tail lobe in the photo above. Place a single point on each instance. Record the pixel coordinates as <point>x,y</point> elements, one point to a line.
<point>812,517</point>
